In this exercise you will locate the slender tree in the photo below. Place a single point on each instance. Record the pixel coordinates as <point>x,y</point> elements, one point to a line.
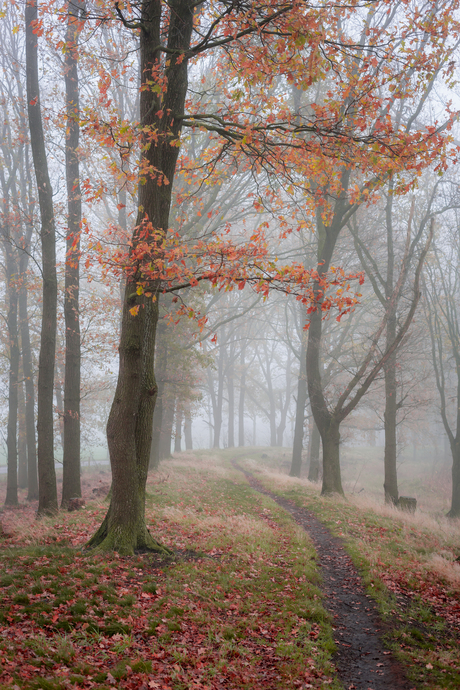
<point>71,484</point>
<point>45,453</point>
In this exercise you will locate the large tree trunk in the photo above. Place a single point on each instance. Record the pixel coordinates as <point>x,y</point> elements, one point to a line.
<point>455,506</point>
<point>71,483</point>
<point>332,480</point>
<point>328,427</point>
<point>129,428</point>
<point>46,472</point>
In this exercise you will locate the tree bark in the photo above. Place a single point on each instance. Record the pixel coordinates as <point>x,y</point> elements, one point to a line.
<point>391,475</point>
<point>218,399</point>
<point>45,453</point>
<point>71,481</point>
<point>315,444</point>
<point>167,423</point>
<point>12,321</point>
<point>158,413</point>
<point>231,395</point>
<point>241,399</point>
<point>129,428</point>
<point>178,431</point>
<point>188,429</point>
<point>27,367</point>
<point>297,446</point>
<point>454,511</point>
<point>22,438</point>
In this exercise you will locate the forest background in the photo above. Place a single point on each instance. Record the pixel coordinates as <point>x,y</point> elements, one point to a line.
<point>209,179</point>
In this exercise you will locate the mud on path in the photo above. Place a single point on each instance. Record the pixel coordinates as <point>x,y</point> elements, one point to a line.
<point>361,659</point>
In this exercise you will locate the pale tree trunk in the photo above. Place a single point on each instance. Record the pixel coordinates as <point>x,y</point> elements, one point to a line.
<point>315,444</point>
<point>188,429</point>
<point>71,482</point>
<point>22,437</point>
<point>161,363</point>
<point>284,407</point>
<point>297,446</point>
<point>45,453</point>
<point>129,428</point>
<point>390,484</point>
<point>27,366</point>
<point>12,321</point>
<point>167,423</point>
<point>231,395</point>
<point>178,431</point>
<point>218,398</point>
<point>241,398</point>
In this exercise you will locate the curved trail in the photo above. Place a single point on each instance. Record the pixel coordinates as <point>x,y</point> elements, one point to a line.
<point>361,659</point>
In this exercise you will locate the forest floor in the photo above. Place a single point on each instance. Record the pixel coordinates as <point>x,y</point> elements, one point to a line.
<point>297,592</point>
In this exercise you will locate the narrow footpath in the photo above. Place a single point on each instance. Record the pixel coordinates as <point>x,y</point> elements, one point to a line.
<point>361,659</point>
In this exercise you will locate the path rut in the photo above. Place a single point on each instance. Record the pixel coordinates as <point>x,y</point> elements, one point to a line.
<point>361,659</point>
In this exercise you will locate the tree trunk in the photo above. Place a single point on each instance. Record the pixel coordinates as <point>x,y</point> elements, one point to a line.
<point>328,427</point>
<point>129,428</point>
<point>158,413</point>
<point>332,481</point>
<point>27,367</point>
<point>231,399</point>
<point>454,511</point>
<point>46,472</point>
<point>390,484</point>
<point>219,398</point>
<point>71,482</point>
<point>241,399</point>
<point>188,429</point>
<point>167,424</point>
<point>315,443</point>
<point>297,446</point>
<point>178,432</point>
<point>391,477</point>
<point>58,386</point>
<point>12,322</point>
<point>22,438</point>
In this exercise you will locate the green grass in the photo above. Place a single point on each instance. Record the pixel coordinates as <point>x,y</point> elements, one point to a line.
<point>394,551</point>
<point>242,607</point>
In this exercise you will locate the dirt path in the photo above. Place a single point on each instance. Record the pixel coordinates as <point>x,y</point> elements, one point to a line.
<point>361,659</point>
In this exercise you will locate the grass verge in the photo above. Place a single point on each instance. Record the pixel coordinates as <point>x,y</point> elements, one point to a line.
<point>410,565</point>
<point>239,607</point>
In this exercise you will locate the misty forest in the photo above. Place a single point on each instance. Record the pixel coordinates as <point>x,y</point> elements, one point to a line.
<point>230,344</point>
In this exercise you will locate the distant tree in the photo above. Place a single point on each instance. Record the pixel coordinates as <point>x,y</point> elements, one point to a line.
<point>383,277</point>
<point>442,294</point>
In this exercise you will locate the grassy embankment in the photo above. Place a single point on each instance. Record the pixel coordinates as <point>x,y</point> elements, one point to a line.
<point>245,609</point>
<point>410,563</point>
